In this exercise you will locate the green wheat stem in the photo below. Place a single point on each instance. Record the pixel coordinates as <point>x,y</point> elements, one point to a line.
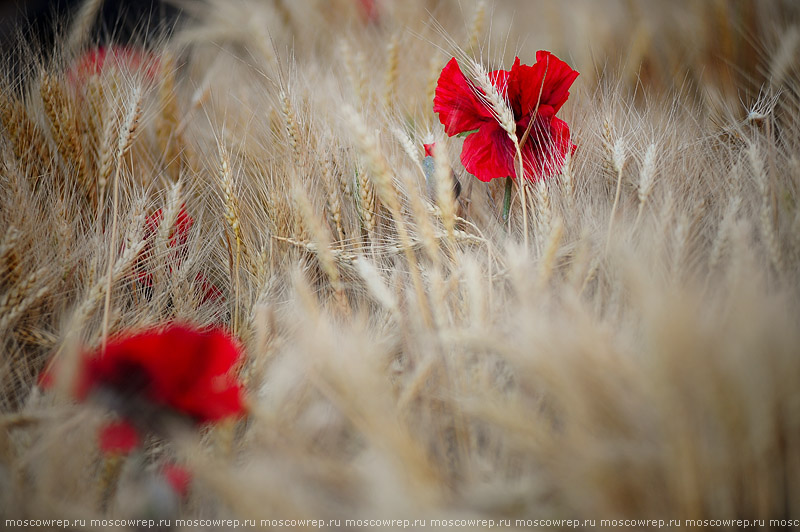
<point>507,199</point>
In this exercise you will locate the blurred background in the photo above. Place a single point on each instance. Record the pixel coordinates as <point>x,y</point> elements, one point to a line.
<point>41,20</point>
<point>731,45</point>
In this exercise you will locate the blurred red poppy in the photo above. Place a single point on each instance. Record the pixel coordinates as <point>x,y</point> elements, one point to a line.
<point>118,437</point>
<point>177,477</point>
<point>369,11</point>
<point>178,238</point>
<point>534,94</point>
<point>125,58</point>
<point>181,368</point>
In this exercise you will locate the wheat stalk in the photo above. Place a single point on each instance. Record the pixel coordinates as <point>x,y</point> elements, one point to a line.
<point>505,117</point>
<point>19,299</point>
<point>374,282</point>
<point>234,223</point>
<point>568,180</point>
<point>9,257</point>
<point>169,138</point>
<point>646,176</point>
<point>82,24</point>
<point>618,158</point>
<point>767,228</point>
<point>422,213</point>
<point>388,195</point>
<point>64,125</point>
<point>29,143</point>
<point>105,157</point>
<point>550,251</point>
<point>292,131</point>
<point>354,66</point>
<point>332,196</point>
<point>445,198</point>
<point>323,246</point>
<point>544,214</point>
<point>126,137</point>
<point>392,60</point>
<point>476,27</point>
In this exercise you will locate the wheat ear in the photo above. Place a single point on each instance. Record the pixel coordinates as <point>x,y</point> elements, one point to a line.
<point>646,176</point>
<point>505,117</point>
<point>445,199</point>
<point>618,158</point>
<point>332,196</point>
<point>169,139</point>
<point>64,125</point>
<point>233,220</point>
<point>766,212</point>
<point>476,28</point>
<point>320,235</point>
<point>126,138</point>
<point>21,297</point>
<point>388,195</point>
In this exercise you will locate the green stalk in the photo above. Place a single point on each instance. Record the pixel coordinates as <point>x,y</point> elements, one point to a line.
<point>507,199</point>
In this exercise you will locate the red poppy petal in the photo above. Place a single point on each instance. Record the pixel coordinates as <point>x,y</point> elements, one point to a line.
<point>456,103</point>
<point>214,393</point>
<point>182,226</point>
<point>95,61</point>
<point>546,150</point>
<point>180,368</point>
<point>488,153</point>
<point>213,400</point>
<point>178,478</point>
<point>87,65</point>
<point>544,83</point>
<point>118,437</point>
<point>152,222</point>
<point>500,80</point>
<point>558,79</point>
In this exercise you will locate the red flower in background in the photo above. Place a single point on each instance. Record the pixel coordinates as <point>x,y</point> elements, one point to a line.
<point>179,234</point>
<point>369,11</point>
<point>184,369</point>
<point>126,58</point>
<point>178,238</point>
<point>534,94</point>
<point>118,437</point>
<point>179,478</point>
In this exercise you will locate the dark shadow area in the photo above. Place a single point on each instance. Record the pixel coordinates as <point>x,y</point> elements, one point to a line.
<point>39,22</point>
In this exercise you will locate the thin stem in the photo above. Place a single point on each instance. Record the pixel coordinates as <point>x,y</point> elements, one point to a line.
<point>111,252</point>
<point>238,287</point>
<point>614,208</point>
<point>639,215</point>
<point>521,183</point>
<point>507,200</point>
<point>109,478</point>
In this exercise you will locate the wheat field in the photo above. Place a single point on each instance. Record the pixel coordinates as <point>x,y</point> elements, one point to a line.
<point>625,347</point>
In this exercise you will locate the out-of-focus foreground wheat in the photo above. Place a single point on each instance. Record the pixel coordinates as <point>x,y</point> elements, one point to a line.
<point>406,355</point>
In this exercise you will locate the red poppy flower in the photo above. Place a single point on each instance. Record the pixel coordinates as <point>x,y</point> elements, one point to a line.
<point>119,437</point>
<point>534,94</point>
<point>429,149</point>
<point>181,368</point>
<point>369,11</point>
<point>130,59</point>
<point>179,235</point>
<point>178,238</point>
<point>178,478</point>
